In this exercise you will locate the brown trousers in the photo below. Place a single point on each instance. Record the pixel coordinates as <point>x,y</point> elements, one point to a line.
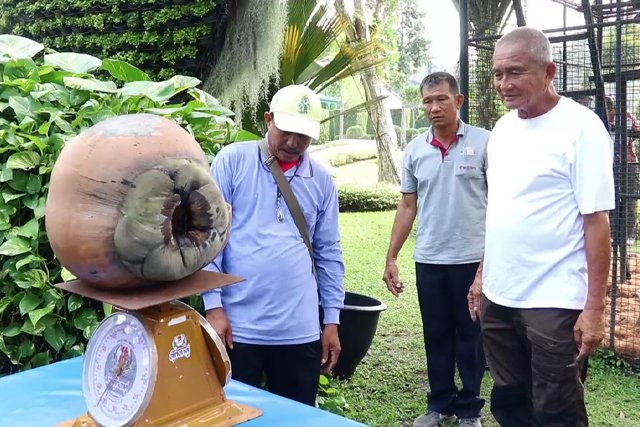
<point>531,354</point>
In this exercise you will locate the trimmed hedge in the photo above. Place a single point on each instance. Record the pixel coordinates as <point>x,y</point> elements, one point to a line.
<point>355,132</point>
<point>412,133</point>
<point>342,159</point>
<point>162,37</point>
<point>360,199</point>
<point>398,130</point>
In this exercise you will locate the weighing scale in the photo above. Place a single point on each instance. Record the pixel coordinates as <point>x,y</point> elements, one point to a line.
<point>156,361</point>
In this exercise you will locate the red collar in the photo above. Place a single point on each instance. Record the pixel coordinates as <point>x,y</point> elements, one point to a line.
<point>286,166</point>
<point>443,150</point>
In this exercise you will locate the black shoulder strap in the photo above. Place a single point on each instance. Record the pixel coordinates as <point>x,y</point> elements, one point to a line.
<point>292,202</point>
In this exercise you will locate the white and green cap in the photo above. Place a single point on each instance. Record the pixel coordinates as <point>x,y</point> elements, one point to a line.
<point>297,109</point>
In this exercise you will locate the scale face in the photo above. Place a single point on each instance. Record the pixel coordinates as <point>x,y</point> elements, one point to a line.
<point>119,372</point>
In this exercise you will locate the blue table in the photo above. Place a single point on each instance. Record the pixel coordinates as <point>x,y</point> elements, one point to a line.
<point>52,394</point>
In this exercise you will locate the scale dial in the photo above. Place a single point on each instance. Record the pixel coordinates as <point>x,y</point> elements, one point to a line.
<point>119,370</point>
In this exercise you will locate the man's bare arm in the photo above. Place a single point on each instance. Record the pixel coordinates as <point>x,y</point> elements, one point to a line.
<point>405,216</point>
<point>589,329</point>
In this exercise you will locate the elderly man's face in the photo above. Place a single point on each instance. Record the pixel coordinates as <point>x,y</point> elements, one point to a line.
<point>520,81</point>
<point>286,146</point>
<point>441,105</point>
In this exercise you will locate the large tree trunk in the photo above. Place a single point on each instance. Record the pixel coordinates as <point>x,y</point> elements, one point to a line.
<point>389,153</point>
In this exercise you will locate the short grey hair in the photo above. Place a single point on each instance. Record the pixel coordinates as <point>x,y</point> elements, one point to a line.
<point>534,40</point>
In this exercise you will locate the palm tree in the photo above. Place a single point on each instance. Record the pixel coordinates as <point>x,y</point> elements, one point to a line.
<point>314,53</point>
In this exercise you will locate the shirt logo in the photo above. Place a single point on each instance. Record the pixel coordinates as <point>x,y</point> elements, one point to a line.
<point>304,105</point>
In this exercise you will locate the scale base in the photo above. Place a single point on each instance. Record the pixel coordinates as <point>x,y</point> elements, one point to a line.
<point>226,414</point>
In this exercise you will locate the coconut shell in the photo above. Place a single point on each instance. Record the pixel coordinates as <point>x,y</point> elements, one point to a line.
<point>131,203</point>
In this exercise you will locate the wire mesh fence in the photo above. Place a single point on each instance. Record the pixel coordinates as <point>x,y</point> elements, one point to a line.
<point>597,53</point>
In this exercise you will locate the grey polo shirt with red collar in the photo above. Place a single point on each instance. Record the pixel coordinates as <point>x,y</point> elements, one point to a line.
<point>452,195</point>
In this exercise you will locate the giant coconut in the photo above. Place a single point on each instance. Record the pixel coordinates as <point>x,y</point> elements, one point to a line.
<point>131,203</point>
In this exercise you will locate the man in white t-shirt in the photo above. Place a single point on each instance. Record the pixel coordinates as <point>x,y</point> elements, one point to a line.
<point>547,247</point>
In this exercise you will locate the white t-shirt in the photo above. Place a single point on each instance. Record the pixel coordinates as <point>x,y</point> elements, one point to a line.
<point>544,173</point>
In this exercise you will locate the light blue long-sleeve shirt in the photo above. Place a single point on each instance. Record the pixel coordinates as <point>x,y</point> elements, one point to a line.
<point>278,302</point>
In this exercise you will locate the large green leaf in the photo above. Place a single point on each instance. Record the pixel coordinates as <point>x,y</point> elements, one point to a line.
<point>24,160</point>
<point>93,85</point>
<point>36,315</point>
<point>79,63</point>
<point>15,246</point>
<point>184,82</point>
<point>55,337</point>
<point>74,302</point>
<point>34,278</point>
<point>30,229</point>
<point>155,91</point>
<point>20,69</point>
<point>26,349</point>
<point>85,318</point>
<point>11,331</point>
<point>34,184</point>
<point>27,260</point>
<point>28,303</point>
<point>66,275</point>
<point>204,97</point>
<point>17,47</point>
<point>29,328</point>
<point>122,70</point>
<point>4,303</point>
<point>41,359</point>
<point>23,107</point>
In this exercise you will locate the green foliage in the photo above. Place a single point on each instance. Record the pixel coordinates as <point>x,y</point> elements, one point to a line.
<point>629,47</point>
<point>342,159</point>
<point>250,58</point>
<point>314,52</point>
<point>412,133</point>
<point>604,360</point>
<point>402,42</point>
<point>45,100</point>
<point>330,397</point>
<point>354,132</point>
<point>164,38</point>
<point>422,130</point>
<point>398,131</point>
<point>367,199</point>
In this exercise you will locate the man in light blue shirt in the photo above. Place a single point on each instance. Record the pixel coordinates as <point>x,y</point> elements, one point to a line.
<point>270,321</point>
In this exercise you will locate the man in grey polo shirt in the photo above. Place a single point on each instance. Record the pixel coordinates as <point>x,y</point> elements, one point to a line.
<point>444,184</point>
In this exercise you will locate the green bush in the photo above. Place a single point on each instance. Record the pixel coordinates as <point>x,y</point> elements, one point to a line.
<point>422,130</point>
<point>398,130</point>
<point>342,159</point>
<point>411,133</point>
<point>360,199</point>
<point>163,38</point>
<point>355,132</point>
<point>47,100</point>
<point>330,396</point>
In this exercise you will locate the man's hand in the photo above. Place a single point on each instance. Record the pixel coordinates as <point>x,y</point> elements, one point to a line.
<point>589,331</point>
<point>218,320</point>
<point>330,347</point>
<point>474,298</point>
<point>391,278</point>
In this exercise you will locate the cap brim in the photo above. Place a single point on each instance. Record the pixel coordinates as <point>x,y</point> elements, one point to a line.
<point>288,123</point>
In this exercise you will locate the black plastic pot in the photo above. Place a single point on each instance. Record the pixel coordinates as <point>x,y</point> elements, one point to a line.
<point>358,324</point>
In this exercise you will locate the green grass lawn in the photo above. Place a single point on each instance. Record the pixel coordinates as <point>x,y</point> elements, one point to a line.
<point>389,387</point>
